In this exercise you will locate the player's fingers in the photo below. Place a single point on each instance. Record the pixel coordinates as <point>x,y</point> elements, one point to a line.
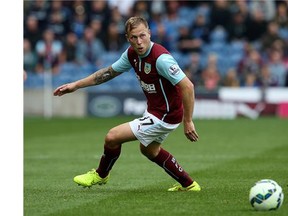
<point>195,134</point>
<point>60,90</point>
<point>56,92</point>
<point>194,139</point>
<point>192,136</point>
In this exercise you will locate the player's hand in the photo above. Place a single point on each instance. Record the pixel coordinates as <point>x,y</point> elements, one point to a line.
<point>190,131</point>
<point>64,89</point>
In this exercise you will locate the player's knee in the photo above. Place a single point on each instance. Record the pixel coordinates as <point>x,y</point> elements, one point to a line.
<point>150,153</point>
<point>142,149</point>
<point>111,139</point>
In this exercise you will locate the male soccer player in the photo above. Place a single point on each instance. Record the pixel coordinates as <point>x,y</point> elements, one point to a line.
<point>170,100</point>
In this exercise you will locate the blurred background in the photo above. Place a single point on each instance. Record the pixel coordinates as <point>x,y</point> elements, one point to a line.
<point>235,53</point>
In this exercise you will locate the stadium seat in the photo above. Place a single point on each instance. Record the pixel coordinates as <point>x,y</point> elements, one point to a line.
<point>218,35</point>
<point>108,58</point>
<point>179,58</point>
<point>283,33</point>
<point>236,46</point>
<point>187,15</point>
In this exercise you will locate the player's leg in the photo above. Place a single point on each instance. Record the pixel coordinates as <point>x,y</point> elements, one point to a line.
<point>165,160</point>
<point>112,149</point>
<point>151,132</point>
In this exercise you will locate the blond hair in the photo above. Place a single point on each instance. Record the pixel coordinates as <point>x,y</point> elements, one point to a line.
<point>133,22</point>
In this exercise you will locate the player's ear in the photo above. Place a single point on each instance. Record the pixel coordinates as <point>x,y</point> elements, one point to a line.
<point>126,35</point>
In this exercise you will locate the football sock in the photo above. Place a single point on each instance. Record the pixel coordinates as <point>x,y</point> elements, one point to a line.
<point>165,160</point>
<point>107,161</point>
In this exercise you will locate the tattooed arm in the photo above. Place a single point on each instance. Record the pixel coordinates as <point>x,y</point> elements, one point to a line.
<point>98,77</point>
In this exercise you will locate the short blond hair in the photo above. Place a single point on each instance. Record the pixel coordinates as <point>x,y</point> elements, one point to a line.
<point>133,22</point>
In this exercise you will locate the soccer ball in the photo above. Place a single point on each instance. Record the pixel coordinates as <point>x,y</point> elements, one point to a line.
<point>266,195</point>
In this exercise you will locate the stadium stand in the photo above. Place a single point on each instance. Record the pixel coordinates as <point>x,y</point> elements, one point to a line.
<point>72,16</point>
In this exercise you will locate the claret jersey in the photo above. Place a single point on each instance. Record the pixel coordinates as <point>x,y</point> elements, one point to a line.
<point>158,73</point>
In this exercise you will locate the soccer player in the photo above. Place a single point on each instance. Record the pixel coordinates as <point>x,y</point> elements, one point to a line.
<point>170,101</point>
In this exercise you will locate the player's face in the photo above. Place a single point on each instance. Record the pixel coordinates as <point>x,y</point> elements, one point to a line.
<point>139,39</point>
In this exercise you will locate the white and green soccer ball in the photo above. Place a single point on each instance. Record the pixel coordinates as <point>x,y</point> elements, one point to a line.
<point>266,195</point>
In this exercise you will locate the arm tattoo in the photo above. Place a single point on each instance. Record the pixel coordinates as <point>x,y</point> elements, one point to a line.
<point>104,75</point>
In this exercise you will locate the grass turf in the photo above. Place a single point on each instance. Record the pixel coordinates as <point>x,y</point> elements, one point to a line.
<point>229,157</point>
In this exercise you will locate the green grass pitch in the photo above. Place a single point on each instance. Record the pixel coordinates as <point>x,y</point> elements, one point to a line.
<point>229,157</point>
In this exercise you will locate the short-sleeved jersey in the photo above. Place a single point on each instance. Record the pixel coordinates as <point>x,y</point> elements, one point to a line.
<point>158,74</point>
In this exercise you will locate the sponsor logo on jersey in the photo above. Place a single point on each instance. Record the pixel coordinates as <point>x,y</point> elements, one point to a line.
<point>174,69</point>
<point>150,88</point>
<point>147,68</point>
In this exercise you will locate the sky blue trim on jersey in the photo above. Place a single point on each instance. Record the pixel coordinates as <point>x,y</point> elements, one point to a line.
<point>122,64</point>
<point>166,100</point>
<point>148,51</point>
<point>168,67</point>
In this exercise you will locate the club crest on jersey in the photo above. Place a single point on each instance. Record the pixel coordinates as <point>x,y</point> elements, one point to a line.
<point>174,69</point>
<point>147,68</point>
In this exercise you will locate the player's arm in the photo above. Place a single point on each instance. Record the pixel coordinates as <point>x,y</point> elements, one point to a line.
<point>98,77</point>
<point>188,97</point>
<point>168,68</point>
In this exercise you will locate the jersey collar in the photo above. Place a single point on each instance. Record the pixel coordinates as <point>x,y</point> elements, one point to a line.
<point>148,51</point>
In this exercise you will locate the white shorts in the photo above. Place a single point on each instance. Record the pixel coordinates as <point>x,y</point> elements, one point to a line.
<point>149,128</point>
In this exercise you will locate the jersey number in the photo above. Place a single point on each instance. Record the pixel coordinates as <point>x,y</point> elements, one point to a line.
<point>146,121</point>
